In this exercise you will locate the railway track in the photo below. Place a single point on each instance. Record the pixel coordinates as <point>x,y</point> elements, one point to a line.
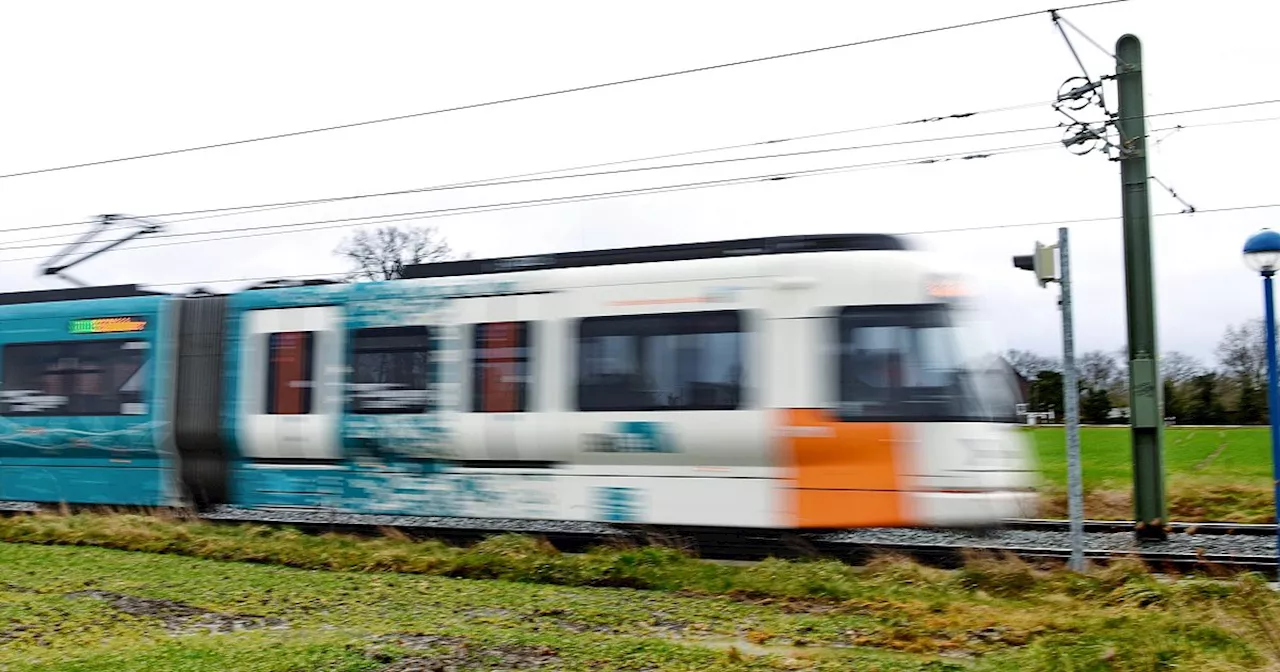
<point>1113,526</point>
<point>1207,547</point>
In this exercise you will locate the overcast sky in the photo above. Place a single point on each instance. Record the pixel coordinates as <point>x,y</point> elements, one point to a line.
<point>85,81</point>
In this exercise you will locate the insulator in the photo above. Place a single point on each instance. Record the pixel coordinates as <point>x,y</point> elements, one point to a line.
<point>1078,93</point>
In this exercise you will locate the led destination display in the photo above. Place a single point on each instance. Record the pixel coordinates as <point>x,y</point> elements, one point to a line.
<point>107,325</point>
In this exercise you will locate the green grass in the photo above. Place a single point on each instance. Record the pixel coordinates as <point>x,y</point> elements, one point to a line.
<point>1212,474</point>
<point>78,608</point>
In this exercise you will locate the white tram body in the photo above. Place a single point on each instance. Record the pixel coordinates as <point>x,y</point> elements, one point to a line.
<point>817,382</point>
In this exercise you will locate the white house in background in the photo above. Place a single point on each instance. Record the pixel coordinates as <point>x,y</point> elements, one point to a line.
<point>1031,417</point>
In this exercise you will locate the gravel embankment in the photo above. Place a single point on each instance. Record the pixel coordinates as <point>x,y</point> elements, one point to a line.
<point>1213,544</point>
<point>1221,544</point>
<point>518,525</point>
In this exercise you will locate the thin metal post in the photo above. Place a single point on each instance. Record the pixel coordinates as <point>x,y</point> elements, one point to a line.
<point>1146,418</point>
<point>1272,411</point>
<point>1070,395</point>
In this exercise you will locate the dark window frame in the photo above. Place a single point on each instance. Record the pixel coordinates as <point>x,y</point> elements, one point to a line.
<point>660,325</point>
<point>523,361</point>
<point>271,401</point>
<point>71,349</point>
<point>372,341</point>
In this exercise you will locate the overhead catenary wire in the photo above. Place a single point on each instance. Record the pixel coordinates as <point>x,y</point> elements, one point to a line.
<point>429,214</point>
<point>528,177</point>
<point>1230,122</point>
<point>389,218</point>
<point>345,222</point>
<point>905,233</point>
<point>558,92</point>
<point>528,180</point>
<point>1087,220</point>
<point>962,229</point>
<point>228,211</point>
<point>1213,108</point>
<point>517,178</point>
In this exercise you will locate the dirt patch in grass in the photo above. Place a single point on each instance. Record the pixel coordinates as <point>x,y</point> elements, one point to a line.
<point>578,627</point>
<point>787,605</point>
<point>13,633</point>
<point>180,618</point>
<point>446,653</point>
<point>492,612</point>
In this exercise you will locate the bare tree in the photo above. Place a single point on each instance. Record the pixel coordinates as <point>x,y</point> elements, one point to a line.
<point>1029,364</point>
<point>1179,368</point>
<point>383,254</point>
<point>1099,370</point>
<point>1242,352</point>
<point>1120,390</point>
<point>1243,355</point>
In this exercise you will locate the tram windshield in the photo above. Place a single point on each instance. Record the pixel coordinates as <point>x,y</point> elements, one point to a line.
<point>927,362</point>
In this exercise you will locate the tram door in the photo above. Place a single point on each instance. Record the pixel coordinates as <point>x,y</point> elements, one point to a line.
<point>289,384</point>
<point>499,337</point>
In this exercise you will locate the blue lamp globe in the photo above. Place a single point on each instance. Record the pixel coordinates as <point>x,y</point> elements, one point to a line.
<point>1262,251</point>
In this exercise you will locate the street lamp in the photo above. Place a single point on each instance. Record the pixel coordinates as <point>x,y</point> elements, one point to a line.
<point>1262,254</point>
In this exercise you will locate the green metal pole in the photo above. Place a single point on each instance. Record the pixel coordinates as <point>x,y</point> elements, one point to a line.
<point>1145,415</point>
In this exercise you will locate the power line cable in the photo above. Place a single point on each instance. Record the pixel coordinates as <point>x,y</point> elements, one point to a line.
<point>388,218</point>
<point>1089,220</point>
<point>508,179</point>
<point>965,229</point>
<point>1229,122</point>
<point>344,222</point>
<point>230,211</point>
<point>504,182</point>
<point>904,233</point>
<point>577,89</point>
<point>1214,108</point>
<point>250,209</point>
<point>514,179</point>
<point>383,219</point>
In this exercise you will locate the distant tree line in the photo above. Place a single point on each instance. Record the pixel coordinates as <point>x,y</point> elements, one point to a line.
<point>1231,391</point>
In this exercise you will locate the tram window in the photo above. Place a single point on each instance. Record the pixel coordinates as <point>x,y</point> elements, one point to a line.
<point>289,372</point>
<point>910,363</point>
<point>666,362</point>
<point>391,370</point>
<point>102,377</point>
<point>500,371</point>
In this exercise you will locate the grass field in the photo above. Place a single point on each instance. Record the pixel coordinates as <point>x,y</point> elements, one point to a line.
<point>1212,473</point>
<point>393,605</point>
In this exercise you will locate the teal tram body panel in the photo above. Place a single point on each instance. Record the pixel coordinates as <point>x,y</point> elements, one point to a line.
<point>369,436</point>
<point>84,401</point>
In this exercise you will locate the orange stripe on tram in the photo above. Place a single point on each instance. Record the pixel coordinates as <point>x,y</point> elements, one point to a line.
<point>846,474</point>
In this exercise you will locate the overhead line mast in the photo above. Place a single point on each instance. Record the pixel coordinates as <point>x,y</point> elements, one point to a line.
<point>1129,147</point>
<point>1145,413</point>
